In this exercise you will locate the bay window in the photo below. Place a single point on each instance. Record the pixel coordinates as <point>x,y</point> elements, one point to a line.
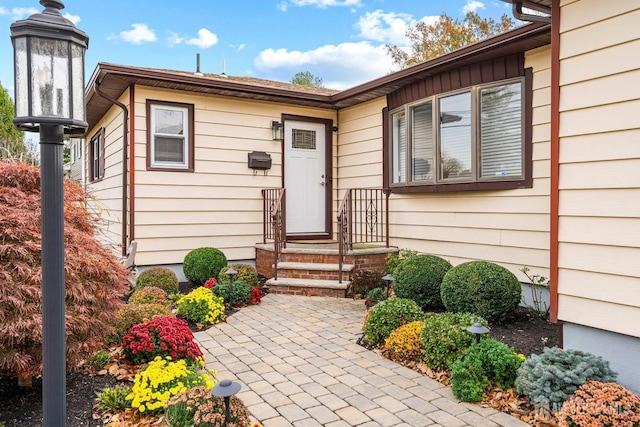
<point>474,135</point>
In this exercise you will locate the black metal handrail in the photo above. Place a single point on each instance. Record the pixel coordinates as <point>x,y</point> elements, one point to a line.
<point>363,217</point>
<point>273,209</point>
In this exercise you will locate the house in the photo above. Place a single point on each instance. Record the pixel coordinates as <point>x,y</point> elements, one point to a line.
<point>521,149</point>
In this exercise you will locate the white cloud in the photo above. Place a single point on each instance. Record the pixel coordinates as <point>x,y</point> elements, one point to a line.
<point>174,39</point>
<point>238,48</point>
<point>472,6</point>
<point>384,27</point>
<point>73,18</point>
<point>19,12</point>
<point>139,34</point>
<point>340,66</point>
<point>322,4</point>
<point>204,40</point>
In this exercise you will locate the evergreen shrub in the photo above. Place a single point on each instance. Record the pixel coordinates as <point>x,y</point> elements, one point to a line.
<point>445,338</point>
<point>483,288</point>
<point>149,295</point>
<point>244,272</point>
<point>419,277</point>
<point>551,378</point>
<point>597,404</point>
<point>132,314</point>
<point>363,281</point>
<point>393,260</point>
<point>389,315</point>
<point>202,264</point>
<point>485,363</point>
<point>374,296</point>
<point>240,293</point>
<point>159,277</point>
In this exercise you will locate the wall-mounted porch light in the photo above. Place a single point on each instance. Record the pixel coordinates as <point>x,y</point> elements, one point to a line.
<point>276,129</point>
<point>49,95</point>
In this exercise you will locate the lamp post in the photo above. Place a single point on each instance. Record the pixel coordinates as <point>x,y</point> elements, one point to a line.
<point>226,389</point>
<point>388,278</point>
<point>478,330</point>
<point>232,275</point>
<point>49,95</point>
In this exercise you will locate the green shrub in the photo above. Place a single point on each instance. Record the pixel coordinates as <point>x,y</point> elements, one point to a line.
<point>395,259</point>
<point>364,281</point>
<point>374,296</point>
<point>597,404</point>
<point>483,288</point>
<point>196,407</point>
<point>550,378</point>
<point>240,292</point>
<point>159,277</point>
<point>202,264</point>
<point>114,398</point>
<point>389,315</point>
<point>403,344</point>
<point>131,315</point>
<point>445,338</point>
<point>244,272</point>
<point>419,277</point>
<point>485,363</point>
<point>201,306</point>
<point>149,295</point>
<point>98,360</point>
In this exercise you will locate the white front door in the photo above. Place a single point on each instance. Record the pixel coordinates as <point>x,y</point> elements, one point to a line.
<point>304,178</point>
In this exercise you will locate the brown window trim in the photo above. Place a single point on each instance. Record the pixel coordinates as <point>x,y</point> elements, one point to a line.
<point>93,177</point>
<point>527,182</point>
<point>191,136</point>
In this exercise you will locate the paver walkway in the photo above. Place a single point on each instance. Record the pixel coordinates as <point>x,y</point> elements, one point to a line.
<point>299,365</point>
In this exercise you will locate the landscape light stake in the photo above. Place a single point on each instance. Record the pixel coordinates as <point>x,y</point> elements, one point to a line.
<point>226,389</point>
<point>478,330</point>
<point>49,97</point>
<point>388,278</point>
<point>232,274</point>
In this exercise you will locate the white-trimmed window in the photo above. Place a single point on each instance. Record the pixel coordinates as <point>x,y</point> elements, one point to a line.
<point>472,135</point>
<point>170,144</point>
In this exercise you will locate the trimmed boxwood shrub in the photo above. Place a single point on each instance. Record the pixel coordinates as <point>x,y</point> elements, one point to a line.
<point>132,314</point>
<point>418,278</point>
<point>445,337</point>
<point>202,264</point>
<point>149,295</point>
<point>245,272</point>
<point>387,316</point>
<point>159,277</point>
<point>483,288</point>
<point>240,292</point>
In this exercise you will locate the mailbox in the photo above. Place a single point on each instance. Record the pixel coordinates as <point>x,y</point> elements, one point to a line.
<point>259,160</point>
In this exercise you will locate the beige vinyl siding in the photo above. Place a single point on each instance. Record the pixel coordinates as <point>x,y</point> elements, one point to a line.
<point>599,205</point>
<point>107,192</point>
<point>508,227</point>
<point>220,204</point>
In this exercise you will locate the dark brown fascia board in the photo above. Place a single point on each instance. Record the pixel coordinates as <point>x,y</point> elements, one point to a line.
<point>131,74</point>
<point>407,75</point>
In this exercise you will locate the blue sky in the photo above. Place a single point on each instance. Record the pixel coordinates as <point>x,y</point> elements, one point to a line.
<point>341,41</point>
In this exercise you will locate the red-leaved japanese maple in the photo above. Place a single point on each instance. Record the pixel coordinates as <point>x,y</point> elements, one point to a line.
<point>94,279</point>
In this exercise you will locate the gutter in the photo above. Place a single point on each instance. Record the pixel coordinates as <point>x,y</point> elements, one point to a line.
<point>124,161</point>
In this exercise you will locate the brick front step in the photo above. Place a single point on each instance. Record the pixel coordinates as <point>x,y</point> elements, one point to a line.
<point>308,267</point>
<point>309,287</point>
<point>313,270</point>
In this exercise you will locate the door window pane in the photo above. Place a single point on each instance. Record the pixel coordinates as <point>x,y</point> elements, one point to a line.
<point>455,136</point>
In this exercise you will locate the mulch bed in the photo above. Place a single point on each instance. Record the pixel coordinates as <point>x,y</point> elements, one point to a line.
<point>527,333</point>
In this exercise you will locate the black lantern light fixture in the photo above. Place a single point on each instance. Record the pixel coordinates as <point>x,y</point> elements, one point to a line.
<point>232,275</point>
<point>276,129</point>
<point>388,278</point>
<point>478,330</point>
<point>49,97</point>
<point>226,389</point>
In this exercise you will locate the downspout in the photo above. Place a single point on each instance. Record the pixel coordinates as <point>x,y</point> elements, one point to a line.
<point>125,144</point>
<point>132,169</point>
<point>554,212</point>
